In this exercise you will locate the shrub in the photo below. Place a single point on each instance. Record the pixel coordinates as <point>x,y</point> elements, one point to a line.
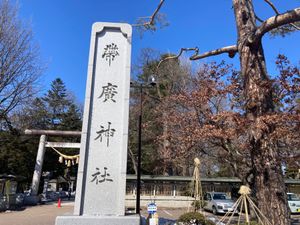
<point>198,204</point>
<point>192,218</point>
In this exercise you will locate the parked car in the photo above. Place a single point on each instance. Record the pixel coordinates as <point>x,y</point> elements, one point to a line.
<point>294,202</point>
<point>218,202</point>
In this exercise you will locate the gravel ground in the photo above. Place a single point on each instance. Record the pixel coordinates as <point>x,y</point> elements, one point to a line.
<point>46,214</point>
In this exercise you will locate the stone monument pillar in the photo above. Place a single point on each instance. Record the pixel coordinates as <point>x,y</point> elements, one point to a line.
<point>101,181</point>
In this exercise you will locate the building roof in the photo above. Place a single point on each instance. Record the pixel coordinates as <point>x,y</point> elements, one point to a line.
<point>203,179</point>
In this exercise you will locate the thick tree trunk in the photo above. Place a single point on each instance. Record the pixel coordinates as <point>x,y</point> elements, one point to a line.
<point>269,183</point>
<point>268,179</point>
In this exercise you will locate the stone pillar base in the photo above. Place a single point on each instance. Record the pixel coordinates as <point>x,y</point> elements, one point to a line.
<point>98,220</point>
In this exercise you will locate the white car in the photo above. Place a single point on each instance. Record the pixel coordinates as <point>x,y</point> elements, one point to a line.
<point>294,202</point>
<point>218,202</point>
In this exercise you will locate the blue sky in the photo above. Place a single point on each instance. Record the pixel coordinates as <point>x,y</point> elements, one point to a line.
<point>62,29</point>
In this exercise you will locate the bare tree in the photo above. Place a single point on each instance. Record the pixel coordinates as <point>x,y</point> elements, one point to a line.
<point>170,75</point>
<point>19,61</point>
<point>258,95</point>
<point>150,23</point>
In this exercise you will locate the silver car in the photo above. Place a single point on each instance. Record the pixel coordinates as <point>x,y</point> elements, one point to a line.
<point>294,202</point>
<point>218,202</point>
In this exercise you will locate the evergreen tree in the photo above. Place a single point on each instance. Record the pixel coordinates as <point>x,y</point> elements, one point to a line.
<point>71,120</point>
<point>57,102</point>
<point>56,110</point>
<point>17,154</point>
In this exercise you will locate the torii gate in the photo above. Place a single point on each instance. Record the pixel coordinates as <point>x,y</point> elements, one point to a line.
<point>43,144</point>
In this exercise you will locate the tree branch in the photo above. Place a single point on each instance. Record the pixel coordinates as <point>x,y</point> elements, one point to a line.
<point>178,55</point>
<point>295,26</point>
<point>272,6</point>
<point>278,13</point>
<point>231,50</point>
<point>151,22</point>
<point>259,19</point>
<point>131,155</point>
<point>151,18</point>
<point>274,22</point>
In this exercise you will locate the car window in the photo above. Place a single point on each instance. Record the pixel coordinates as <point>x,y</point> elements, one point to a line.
<point>293,197</point>
<point>219,197</point>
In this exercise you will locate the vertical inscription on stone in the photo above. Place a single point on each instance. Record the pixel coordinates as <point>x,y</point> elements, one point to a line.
<point>99,178</point>
<point>105,123</point>
<point>108,92</point>
<point>110,52</point>
<point>105,132</point>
